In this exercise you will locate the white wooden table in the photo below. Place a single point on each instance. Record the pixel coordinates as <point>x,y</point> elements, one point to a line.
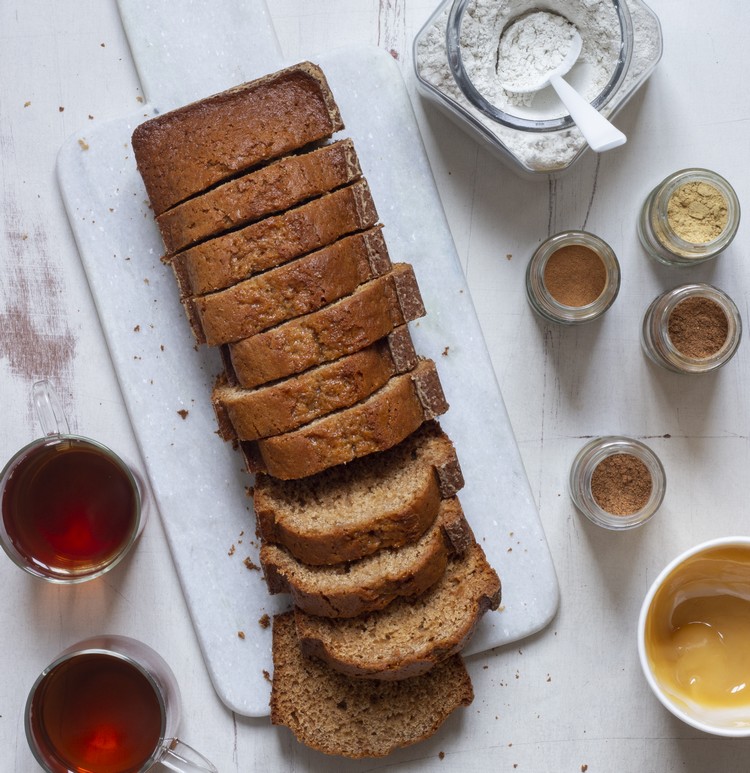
<point>572,697</point>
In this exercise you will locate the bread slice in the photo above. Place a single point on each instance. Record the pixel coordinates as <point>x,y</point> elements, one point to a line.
<point>343,327</point>
<point>227,259</point>
<point>357,718</point>
<point>371,583</point>
<point>249,414</point>
<point>185,151</point>
<point>353,510</point>
<point>375,424</point>
<point>299,287</point>
<point>408,637</point>
<point>262,192</point>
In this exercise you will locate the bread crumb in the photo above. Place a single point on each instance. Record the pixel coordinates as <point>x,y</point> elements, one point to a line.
<point>84,145</point>
<point>549,678</point>
<point>26,104</point>
<point>445,351</point>
<point>266,675</point>
<point>241,634</point>
<point>508,256</point>
<point>137,329</point>
<point>91,117</point>
<point>441,755</point>
<point>183,413</point>
<point>264,621</point>
<point>584,768</point>
<point>231,550</point>
<point>61,109</point>
<point>139,99</point>
<point>251,565</point>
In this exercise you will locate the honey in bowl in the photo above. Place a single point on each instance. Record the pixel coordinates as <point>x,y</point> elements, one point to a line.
<point>696,637</point>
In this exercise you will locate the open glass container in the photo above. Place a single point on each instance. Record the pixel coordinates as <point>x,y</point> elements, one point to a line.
<point>531,145</point>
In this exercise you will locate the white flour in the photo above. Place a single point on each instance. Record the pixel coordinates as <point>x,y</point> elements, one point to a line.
<point>484,22</point>
<point>530,48</point>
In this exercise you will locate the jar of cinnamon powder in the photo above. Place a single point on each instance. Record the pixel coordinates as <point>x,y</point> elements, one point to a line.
<point>690,217</point>
<point>694,328</point>
<point>572,278</point>
<point>617,482</point>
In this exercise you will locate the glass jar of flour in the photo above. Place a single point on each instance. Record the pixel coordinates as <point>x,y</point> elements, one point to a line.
<point>455,60</point>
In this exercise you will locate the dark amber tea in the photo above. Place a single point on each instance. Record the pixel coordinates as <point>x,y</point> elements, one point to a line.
<point>69,508</point>
<point>95,713</point>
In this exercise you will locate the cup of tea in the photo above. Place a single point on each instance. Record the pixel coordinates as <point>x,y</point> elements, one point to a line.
<point>71,507</point>
<point>694,637</point>
<point>108,704</point>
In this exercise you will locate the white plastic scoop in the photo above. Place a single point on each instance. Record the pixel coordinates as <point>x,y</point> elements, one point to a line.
<point>600,134</point>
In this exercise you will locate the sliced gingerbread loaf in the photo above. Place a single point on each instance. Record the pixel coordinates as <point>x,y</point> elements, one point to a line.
<point>375,424</point>
<point>250,414</point>
<point>186,151</point>
<point>353,510</point>
<point>372,311</point>
<point>290,290</point>
<point>262,192</point>
<point>357,718</point>
<point>231,257</point>
<point>408,637</point>
<point>371,583</point>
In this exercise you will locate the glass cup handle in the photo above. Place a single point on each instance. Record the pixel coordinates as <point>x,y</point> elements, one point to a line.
<point>49,410</point>
<point>182,758</point>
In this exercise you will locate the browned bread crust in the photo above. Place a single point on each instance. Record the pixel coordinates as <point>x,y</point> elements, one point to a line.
<point>375,424</point>
<point>409,636</point>
<point>357,718</point>
<point>343,327</point>
<point>373,582</point>
<point>299,287</point>
<point>185,151</point>
<point>265,191</point>
<point>353,510</point>
<point>250,414</point>
<point>227,259</point>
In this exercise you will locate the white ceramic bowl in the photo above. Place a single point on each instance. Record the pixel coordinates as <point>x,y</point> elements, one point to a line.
<point>713,720</point>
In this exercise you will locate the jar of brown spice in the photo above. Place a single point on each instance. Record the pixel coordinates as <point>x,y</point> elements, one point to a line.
<point>573,277</point>
<point>694,328</point>
<point>690,217</point>
<point>617,482</point>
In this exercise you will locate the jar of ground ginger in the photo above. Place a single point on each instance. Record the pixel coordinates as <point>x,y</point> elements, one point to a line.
<point>617,482</point>
<point>573,277</point>
<point>690,217</point>
<point>694,328</point>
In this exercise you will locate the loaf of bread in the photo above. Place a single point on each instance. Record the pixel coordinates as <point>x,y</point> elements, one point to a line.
<point>262,192</point>
<point>290,290</point>
<point>409,636</point>
<point>343,327</point>
<point>231,257</point>
<point>371,583</point>
<point>250,414</point>
<point>375,424</point>
<point>353,510</point>
<point>336,714</point>
<point>185,151</point>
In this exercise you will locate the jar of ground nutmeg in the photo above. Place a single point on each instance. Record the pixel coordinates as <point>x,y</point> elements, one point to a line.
<point>694,328</point>
<point>690,217</point>
<point>573,277</point>
<point>617,482</point>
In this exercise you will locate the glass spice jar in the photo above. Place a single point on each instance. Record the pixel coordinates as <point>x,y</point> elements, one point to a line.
<point>617,482</point>
<point>693,328</point>
<point>572,278</point>
<point>690,217</point>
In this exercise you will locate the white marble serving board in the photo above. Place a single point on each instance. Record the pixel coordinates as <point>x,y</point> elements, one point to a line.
<point>198,481</point>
